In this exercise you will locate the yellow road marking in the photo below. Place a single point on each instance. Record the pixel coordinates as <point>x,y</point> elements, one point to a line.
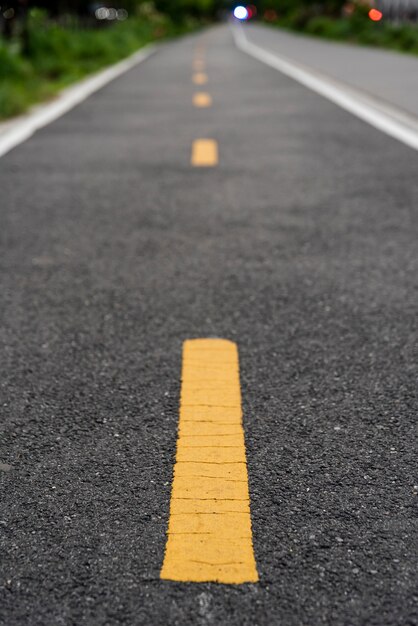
<point>205,153</point>
<point>199,65</point>
<point>200,78</point>
<point>209,535</point>
<point>202,100</point>
<point>200,49</point>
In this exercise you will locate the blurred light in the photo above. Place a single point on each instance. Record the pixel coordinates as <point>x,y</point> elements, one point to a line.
<point>112,14</point>
<point>252,11</point>
<point>375,15</point>
<point>9,14</point>
<point>102,13</point>
<point>270,15</point>
<point>348,9</point>
<point>241,13</point>
<point>122,15</point>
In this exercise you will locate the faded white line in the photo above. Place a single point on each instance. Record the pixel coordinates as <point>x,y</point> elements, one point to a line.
<point>17,131</point>
<point>382,116</point>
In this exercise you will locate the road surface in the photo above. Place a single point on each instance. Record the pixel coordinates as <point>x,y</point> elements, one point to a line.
<point>292,232</point>
<point>392,77</point>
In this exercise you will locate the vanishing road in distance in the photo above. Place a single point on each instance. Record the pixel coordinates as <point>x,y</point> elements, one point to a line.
<point>223,238</point>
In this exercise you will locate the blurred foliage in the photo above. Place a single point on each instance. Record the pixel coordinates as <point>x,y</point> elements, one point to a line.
<point>336,20</point>
<point>401,37</point>
<point>54,56</point>
<point>47,44</point>
<point>175,9</point>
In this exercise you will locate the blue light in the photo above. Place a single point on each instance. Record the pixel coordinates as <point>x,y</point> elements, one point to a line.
<point>241,13</point>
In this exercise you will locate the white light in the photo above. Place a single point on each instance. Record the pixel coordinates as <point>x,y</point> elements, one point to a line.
<point>102,13</point>
<point>122,15</point>
<point>112,14</point>
<point>241,13</point>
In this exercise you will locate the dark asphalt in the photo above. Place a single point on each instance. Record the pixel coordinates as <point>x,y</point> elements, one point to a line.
<point>301,247</point>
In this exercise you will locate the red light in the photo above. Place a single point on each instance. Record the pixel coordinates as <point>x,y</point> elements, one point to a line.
<point>375,15</point>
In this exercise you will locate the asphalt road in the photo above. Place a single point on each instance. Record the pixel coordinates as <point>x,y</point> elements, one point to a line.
<point>301,247</point>
<point>391,77</point>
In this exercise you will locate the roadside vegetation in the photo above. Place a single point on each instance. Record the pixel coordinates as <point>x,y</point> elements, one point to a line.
<point>357,29</point>
<point>46,47</point>
<point>356,22</point>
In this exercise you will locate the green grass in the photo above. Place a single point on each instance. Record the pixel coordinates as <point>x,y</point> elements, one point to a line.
<point>56,57</point>
<point>356,29</point>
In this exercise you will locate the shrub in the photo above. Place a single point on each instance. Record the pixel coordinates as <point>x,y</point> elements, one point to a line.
<point>54,56</point>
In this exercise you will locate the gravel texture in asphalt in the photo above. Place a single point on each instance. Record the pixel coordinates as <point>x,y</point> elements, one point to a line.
<point>301,246</point>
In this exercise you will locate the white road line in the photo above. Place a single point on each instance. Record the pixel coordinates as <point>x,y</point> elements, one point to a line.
<point>382,116</point>
<point>19,130</point>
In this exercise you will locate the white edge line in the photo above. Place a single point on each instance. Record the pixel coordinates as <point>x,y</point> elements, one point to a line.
<point>19,130</point>
<point>349,100</point>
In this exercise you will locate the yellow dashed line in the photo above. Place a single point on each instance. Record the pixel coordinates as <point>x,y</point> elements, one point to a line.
<point>200,78</point>
<point>199,65</point>
<point>200,50</point>
<point>205,153</point>
<point>209,533</point>
<point>202,100</point>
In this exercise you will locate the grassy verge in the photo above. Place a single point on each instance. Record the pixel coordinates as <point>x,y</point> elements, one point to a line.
<point>357,28</point>
<point>56,56</point>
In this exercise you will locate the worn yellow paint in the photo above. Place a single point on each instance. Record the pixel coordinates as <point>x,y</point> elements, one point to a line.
<point>202,100</point>
<point>205,153</point>
<point>199,64</point>
<point>209,535</point>
<point>200,78</point>
<point>200,50</point>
